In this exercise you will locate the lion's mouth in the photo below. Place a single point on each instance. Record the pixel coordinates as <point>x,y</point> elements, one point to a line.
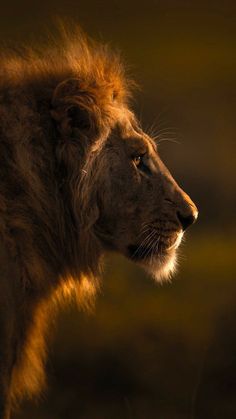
<point>161,246</point>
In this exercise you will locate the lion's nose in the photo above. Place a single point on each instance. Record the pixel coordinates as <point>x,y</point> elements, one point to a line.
<point>187,219</point>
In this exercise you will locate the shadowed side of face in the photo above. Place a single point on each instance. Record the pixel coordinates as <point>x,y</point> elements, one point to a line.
<point>143,211</point>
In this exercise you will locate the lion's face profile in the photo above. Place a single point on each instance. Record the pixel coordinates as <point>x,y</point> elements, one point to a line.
<point>143,211</point>
<point>136,206</point>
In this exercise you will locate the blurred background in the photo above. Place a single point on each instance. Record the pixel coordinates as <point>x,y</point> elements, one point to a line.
<point>158,351</point>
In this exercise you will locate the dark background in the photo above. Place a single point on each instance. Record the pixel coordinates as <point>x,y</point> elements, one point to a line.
<point>152,351</point>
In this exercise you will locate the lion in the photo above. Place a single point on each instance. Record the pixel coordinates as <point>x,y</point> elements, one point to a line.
<point>79,178</point>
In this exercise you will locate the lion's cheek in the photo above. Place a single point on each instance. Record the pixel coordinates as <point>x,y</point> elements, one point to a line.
<point>162,267</point>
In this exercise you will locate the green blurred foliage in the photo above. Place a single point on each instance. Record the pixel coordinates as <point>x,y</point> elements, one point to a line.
<point>158,351</point>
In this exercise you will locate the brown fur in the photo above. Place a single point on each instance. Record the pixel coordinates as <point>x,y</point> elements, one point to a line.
<point>69,190</point>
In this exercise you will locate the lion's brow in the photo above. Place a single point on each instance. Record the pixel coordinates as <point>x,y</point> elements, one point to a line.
<point>136,145</point>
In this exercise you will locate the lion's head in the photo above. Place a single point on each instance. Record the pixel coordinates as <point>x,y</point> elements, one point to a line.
<point>126,199</point>
<point>143,212</point>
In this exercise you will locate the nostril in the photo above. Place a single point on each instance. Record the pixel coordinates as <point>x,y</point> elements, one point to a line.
<point>186,220</point>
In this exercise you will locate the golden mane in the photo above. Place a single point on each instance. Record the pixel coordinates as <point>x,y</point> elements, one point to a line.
<point>40,186</point>
<point>71,53</point>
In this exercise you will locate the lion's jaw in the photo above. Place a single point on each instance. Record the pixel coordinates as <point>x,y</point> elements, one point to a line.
<point>162,265</point>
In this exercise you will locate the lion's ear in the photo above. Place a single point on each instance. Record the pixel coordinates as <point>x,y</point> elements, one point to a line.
<point>73,109</point>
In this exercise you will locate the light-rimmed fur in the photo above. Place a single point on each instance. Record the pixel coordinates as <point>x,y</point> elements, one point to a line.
<point>69,190</point>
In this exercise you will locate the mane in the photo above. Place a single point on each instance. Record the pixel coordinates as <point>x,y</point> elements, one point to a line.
<point>28,78</point>
<point>48,196</point>
<point>67,54</point>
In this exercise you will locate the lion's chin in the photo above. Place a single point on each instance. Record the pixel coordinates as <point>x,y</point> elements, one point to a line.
<point>162,267</point>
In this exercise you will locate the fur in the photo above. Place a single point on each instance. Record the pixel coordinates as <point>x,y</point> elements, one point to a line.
<point>67,142</point>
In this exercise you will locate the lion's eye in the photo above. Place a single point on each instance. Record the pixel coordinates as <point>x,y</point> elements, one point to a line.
<point>137,160</point>
<point>141,163</point>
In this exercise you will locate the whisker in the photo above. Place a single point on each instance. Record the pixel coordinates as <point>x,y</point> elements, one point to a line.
<point>148,247</point>
<point>159,119</point>
<point>159,138</point>
<point>155,249</point>
<point>152,246</point>
<point>159,130</point>
<point>170,140</point>
<point>144,229</point>
<point>144,242</point>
